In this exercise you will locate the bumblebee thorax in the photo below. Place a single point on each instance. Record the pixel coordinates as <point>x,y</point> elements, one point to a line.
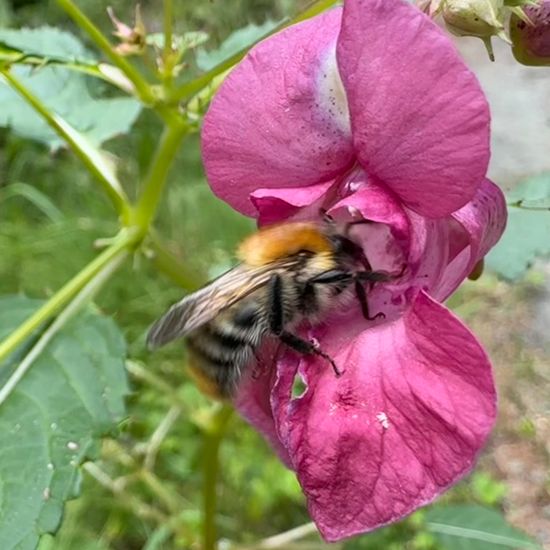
<point>282,240</point>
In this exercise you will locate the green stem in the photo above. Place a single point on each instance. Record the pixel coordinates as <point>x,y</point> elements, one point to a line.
<point>521,204</point>
<point>79,66</point>
<point>124,241</point>
<point>125,498</point>
<point>141,86</point>
<point>83,297</point>
<point>167,50</point>
<point>88,155</point>
<point>186,91</point>
<point>155,180</point>
<point>213,436</point>
<point>170,501</point>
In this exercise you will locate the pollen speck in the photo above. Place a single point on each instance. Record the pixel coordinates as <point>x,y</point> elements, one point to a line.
<point>382,417</point>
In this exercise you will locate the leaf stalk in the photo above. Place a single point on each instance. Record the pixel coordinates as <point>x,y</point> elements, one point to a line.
<point>88,155</point>
<point>142,87</point>
<point>213,435</point>
<point>126,239</point>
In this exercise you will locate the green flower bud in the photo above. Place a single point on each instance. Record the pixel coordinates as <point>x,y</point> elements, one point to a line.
<point>531,38</point>
<point>480,18</point>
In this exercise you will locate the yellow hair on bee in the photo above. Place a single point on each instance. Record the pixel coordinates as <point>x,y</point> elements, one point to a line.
<point>206,385</point>
<point>277,241</point>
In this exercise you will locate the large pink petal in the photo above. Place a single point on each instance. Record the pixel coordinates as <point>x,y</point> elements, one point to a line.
<point>275,122</point>
<point>420,121</point>
<point>476,227</point>
<point>404,422</point>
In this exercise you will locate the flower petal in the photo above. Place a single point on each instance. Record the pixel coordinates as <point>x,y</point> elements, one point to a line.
<point>420,121</point>
<point>484,219</point>
<point>276,205</point>
<point>275,122</point>
<point>480,225</point>
<point>375,203</point>
<point>253,400</point>
<point>404,422</point>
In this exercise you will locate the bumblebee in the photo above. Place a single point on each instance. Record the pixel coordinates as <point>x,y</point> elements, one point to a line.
<point>288,273</point>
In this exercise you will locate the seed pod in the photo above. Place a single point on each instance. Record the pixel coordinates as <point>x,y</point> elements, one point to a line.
<point>480,18</point>
<point>531,39</point>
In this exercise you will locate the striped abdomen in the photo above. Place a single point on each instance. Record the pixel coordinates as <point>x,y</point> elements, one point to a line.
<point>220,350</point>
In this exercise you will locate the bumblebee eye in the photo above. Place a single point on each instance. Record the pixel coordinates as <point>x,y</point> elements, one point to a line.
<point>344,246</point>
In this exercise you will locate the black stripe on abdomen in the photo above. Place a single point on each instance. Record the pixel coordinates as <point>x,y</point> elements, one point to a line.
<point>229,340</point>
<point>212,352</point>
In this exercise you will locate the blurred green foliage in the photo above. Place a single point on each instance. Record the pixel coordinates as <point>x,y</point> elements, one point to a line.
<point>526,238</point>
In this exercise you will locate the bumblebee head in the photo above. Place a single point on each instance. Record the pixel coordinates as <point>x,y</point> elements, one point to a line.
<point>344,246</point>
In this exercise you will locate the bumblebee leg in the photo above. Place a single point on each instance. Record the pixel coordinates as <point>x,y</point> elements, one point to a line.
<point>380,276</point>
<point>276,321</point>
<point>327,218</point>
<point>362,297</point>
<point>374,276</point>
<point>307,348</point>
<point>330,277</point>
<point>276,309</point>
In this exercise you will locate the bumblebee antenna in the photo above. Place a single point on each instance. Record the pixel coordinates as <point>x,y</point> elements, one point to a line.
<point>327,218</point>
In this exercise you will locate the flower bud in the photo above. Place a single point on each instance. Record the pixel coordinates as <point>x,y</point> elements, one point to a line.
<point>132,39</point>
<point>531,38</point>
<point>480,18</point>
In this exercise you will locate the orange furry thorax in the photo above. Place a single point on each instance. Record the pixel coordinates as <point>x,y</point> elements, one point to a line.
<point>281,240</point>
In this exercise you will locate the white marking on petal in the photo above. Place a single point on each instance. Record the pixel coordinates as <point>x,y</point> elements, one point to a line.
<point>383,419</point>
<point>331,92</point>
<point>354,212</point>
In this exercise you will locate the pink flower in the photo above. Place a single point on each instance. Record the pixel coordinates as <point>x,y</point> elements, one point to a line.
<point>370,114</point>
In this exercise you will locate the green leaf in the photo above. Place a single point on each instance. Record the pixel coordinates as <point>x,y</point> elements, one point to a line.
<point>63,92</point>
<point>526,235</point>
<point>180,42</point>
<point>465,527</point>
<point>53,419</point>
<point>50,46</point>
<point>234,43</point>
<point>46,42</point>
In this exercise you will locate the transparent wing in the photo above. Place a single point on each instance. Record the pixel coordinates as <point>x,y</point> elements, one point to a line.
<point>202,306</point>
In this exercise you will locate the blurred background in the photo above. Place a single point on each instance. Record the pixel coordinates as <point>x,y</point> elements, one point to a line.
<point>51,213</point>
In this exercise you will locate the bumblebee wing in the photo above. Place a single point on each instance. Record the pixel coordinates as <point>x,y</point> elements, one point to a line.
<point>202,306</point>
